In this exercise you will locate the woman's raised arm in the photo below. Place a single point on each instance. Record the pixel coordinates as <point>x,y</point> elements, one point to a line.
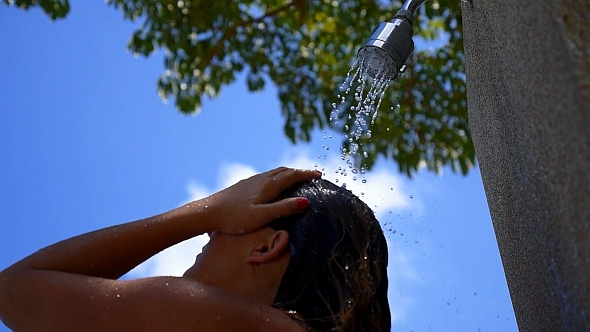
<point>71,285</point>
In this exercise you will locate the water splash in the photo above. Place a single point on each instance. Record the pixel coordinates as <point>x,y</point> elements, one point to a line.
<point>364,109</point>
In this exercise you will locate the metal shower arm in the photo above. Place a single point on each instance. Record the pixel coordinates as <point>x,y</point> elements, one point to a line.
<point>412,5</point>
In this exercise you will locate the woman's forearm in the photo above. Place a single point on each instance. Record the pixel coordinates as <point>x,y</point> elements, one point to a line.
<point>113,251</point>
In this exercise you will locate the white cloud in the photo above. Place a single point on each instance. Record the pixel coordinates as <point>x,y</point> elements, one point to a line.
<point>400,271</point>
<point>196,191</point>
<point>383,190</point>
<point>172,261</point>
<point>231,173</point>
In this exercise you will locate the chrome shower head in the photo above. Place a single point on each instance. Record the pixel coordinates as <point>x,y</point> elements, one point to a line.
<point>385,52</point>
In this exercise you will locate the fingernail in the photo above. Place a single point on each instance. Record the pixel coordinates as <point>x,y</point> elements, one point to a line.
<point>320,173</point>
<point>302,204</point>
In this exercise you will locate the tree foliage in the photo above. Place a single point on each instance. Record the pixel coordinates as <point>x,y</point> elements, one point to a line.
<point>306,48</point>
<point>54,8</point>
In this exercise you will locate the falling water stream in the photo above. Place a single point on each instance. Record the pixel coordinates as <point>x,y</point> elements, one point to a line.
<point>364,109</point>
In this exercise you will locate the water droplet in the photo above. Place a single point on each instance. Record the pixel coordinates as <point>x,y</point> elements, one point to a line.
<point>364,180</point>
<point>344,185</point>
<point>118,295</point>
<point>411,196</point>
<point>346,267</point>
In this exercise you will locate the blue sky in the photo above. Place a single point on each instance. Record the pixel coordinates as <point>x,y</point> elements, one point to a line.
<point>85,142</point>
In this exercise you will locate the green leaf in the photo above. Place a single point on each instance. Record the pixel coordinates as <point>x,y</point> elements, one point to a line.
<point>55,9</point>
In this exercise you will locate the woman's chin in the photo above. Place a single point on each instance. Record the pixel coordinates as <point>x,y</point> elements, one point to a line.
<point>191,272</point>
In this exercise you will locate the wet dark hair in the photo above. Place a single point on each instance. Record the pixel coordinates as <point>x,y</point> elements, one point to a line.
<point>336,279</point>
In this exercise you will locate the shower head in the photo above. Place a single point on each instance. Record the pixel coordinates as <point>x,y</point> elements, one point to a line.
<point>385,52</point>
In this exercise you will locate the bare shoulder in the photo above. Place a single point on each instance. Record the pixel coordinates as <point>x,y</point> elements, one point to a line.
<point>150,304</point>
<point>200,307</point>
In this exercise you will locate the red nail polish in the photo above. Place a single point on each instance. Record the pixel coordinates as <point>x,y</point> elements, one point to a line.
<point>302,204</point>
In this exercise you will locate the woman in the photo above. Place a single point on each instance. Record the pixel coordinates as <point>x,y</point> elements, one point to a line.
<point>249,277</point>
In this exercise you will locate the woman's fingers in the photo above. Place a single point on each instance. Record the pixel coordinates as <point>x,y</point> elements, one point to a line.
<point>284,178</point>
<point>278,170</point>
<point>283,208</point>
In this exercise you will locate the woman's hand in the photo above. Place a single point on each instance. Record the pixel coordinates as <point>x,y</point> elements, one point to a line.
<point>250,203</point>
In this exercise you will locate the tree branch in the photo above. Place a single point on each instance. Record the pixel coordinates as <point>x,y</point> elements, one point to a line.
<point>231,31</point>
<point>272,12</point>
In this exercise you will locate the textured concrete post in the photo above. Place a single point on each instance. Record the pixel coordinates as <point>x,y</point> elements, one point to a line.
<point>528,93</point>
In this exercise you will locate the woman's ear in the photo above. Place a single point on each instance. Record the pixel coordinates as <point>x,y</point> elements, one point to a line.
<point>272,247</point>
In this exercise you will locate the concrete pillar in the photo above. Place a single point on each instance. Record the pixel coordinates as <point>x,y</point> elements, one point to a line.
<point>528,95</point>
